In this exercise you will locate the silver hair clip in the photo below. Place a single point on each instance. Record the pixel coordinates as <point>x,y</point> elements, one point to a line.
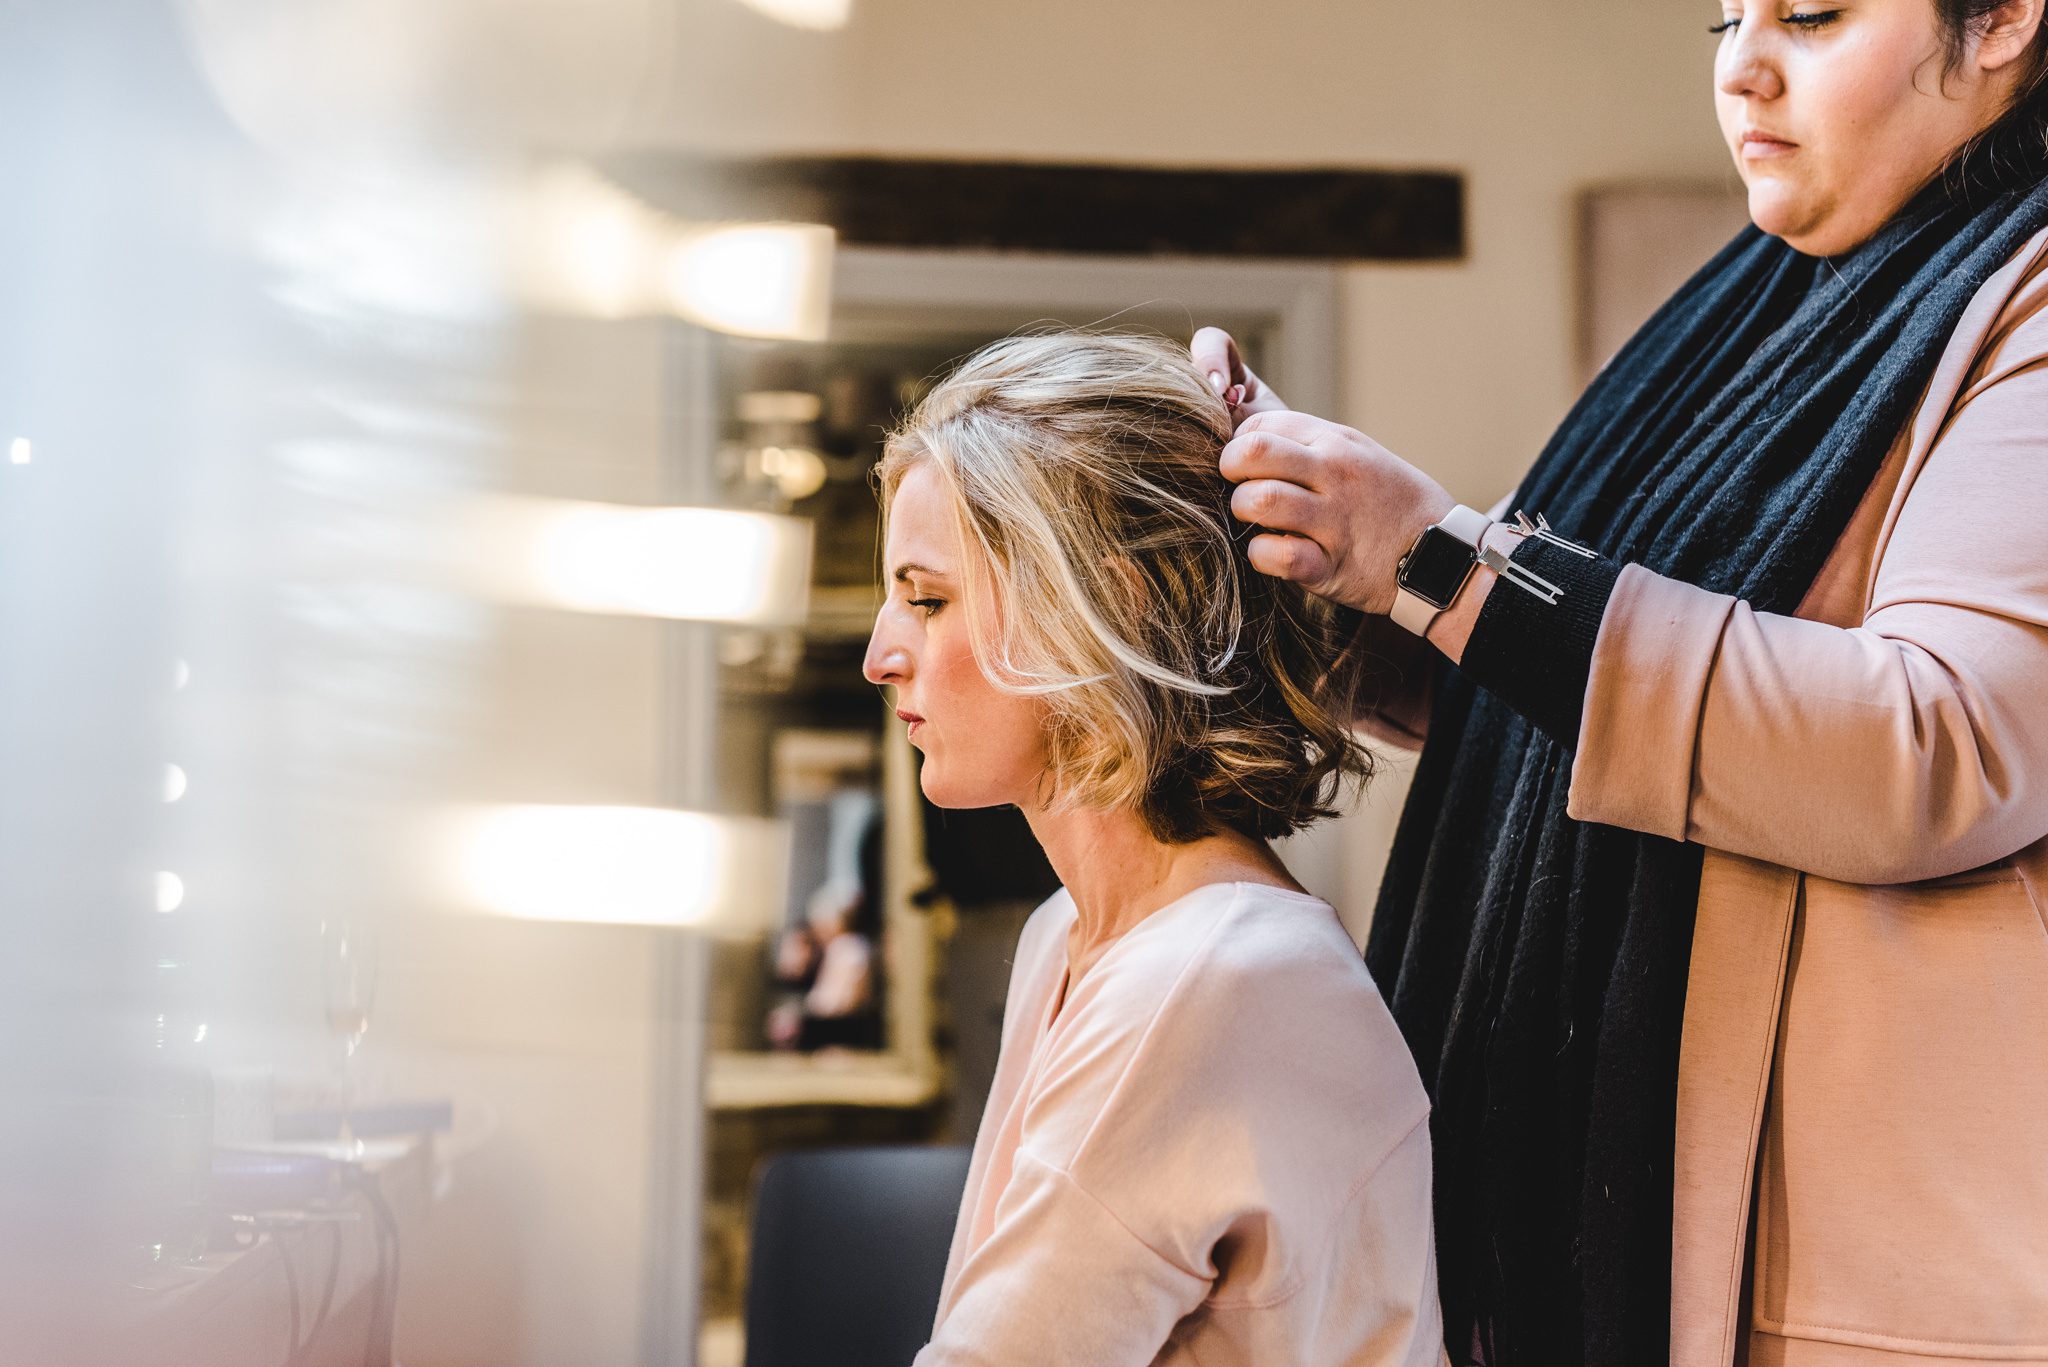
<point>1540,529</point>
<point>1521,577</point>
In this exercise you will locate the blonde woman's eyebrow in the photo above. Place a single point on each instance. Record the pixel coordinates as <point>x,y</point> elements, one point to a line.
<point>903,573</point>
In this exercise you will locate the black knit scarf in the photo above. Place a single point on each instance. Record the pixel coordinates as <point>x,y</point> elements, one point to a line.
<point>1537,964</point>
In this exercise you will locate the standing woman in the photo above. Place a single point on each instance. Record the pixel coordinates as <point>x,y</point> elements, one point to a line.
<point>1717,920</point>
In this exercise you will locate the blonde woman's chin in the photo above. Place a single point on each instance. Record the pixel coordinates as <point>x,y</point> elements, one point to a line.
<point>953,792</point>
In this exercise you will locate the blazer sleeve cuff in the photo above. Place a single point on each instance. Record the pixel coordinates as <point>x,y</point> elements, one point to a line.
<point>1536,656</point>
<point>1638,734</point>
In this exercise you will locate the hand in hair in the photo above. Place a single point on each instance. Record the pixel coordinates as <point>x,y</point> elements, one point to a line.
<point>1336,510</point>
<point>1216,354</point>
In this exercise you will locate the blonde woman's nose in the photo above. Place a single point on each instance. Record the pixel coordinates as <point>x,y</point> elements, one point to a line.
<point>886,662</point>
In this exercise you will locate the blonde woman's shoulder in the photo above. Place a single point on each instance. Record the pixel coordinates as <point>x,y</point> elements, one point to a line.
<point>1046,928</point>
<point>1282,1003</point>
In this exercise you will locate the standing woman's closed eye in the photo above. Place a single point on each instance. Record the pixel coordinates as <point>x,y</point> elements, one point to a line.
<point>1807,21</point>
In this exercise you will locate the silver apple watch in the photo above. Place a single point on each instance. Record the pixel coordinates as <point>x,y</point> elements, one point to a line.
<point>1437,566</point>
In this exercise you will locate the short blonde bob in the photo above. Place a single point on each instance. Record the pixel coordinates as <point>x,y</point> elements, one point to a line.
<point>1106,574</point>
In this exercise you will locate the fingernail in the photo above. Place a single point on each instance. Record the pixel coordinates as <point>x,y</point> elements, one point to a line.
<point>1234,395</point>
<point>1216,381</point>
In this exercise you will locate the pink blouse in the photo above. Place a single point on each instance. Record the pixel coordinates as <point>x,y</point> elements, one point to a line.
<point>1215,1150</point>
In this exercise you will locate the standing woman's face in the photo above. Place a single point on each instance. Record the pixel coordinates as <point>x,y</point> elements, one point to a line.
<point>1838,111</point>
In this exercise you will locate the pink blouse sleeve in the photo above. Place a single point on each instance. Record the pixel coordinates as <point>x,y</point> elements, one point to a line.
<point>1060,1280</point>
<point>1910,747</point>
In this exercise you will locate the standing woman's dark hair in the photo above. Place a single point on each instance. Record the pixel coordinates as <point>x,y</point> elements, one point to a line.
<point>1963,20</point>
<point>2025,125</point>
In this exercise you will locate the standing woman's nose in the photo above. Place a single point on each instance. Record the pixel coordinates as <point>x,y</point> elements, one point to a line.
<point>887,661</point>
<point>1746,65</point>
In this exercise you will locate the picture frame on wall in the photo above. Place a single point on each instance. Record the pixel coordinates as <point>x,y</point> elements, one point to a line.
<point>1637,244</point>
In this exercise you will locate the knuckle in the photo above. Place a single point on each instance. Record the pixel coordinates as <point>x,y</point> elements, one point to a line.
<point>1335,439</point>
<point>1294,556</point>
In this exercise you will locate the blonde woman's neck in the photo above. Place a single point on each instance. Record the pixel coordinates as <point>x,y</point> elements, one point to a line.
<point>1118,872</point>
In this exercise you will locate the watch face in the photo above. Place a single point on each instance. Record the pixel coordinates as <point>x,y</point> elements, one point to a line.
<point>1436,568</point>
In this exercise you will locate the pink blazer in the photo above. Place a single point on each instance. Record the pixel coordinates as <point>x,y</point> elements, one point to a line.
<point>1865,1054</point>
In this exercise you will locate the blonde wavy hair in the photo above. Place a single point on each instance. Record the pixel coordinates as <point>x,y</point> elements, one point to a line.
<point>1106,574</point>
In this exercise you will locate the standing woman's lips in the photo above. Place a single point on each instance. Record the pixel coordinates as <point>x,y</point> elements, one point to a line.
<point>910,717</point>
<point>1757,143</point>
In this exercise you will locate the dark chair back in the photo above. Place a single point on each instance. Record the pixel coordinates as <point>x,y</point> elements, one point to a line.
<point>849,1248</point>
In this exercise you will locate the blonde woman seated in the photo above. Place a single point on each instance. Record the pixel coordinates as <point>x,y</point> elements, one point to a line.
<point>1206,1140</point>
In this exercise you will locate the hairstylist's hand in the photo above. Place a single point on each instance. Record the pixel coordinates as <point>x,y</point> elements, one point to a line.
<point>1335,509</point>
<point>1215,351</point>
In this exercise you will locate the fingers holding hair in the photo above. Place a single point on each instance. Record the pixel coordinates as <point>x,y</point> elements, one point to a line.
<point>1258,452</point>
<point>1221,361</point>
<point>1215,353</point>
<point>1277,505</point>
<point>1294,558</point>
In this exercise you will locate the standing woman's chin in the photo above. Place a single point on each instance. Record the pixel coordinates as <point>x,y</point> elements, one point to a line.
<point>1773,205</point>
<point>1786,214</point>
<point>1769,211</point>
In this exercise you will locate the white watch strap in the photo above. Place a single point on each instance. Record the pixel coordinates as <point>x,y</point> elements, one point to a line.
<point>1413,614</point>
<point>1468,526</point>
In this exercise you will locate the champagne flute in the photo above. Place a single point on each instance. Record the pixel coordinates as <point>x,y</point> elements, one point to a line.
<point>348,963</point>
